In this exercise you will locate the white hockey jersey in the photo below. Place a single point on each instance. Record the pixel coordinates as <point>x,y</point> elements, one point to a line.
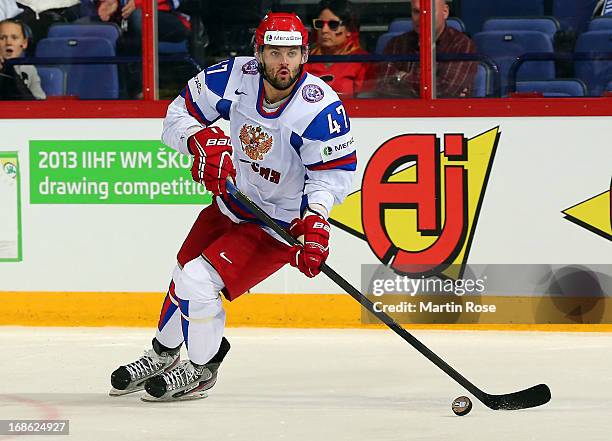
<point>303,153</point>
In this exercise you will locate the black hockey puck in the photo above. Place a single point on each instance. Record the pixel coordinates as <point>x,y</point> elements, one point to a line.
<point>461,406</point>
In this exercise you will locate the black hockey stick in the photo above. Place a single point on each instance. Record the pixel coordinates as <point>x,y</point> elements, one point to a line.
<point>532,397</point>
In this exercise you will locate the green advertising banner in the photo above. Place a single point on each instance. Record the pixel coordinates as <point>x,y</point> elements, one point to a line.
<point>111,172</point>
<point>10,208</point>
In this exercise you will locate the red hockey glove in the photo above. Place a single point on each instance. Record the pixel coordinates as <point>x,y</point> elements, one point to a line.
<point>309,257</point>
<point>212,159</point>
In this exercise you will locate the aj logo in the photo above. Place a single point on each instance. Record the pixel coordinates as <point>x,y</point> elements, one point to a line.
<point>418,206</point>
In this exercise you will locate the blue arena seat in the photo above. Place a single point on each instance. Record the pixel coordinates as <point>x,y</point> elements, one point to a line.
<point>87,81</point>
<point>595,73</point>
<point>405,24</point>
<point>456,23</point>
<point>505,47</point>
<point>475,12</point>
<point>400,25</point>
<point>553,88</point>
<point>482,83</point>
<point>109,31</point>
<point>384,39</point>
<point>52,80</point>
<point>547,25</point>
<point>600,24</point>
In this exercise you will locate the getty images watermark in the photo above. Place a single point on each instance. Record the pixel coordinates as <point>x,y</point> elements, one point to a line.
<point>456,296</point>
<point>406,286</point>
<point>492,293</point>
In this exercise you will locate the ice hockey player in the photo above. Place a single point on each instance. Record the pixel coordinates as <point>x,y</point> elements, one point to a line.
<point>290,150</point>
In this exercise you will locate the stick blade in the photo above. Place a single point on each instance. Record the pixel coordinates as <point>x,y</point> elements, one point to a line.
<point>523,399</point>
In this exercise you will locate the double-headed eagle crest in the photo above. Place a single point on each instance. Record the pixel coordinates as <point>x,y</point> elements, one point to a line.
<point>255,142</point>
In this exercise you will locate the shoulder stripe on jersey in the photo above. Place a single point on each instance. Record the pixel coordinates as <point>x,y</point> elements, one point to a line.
<point>331,122</point>
<point>218,75</point>
<point>277,112</point>
<point>193,108</point>
<point>348,162</point>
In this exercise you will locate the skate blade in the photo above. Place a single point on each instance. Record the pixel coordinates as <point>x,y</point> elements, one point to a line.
<point>118,393</point>
<point>188,397</point>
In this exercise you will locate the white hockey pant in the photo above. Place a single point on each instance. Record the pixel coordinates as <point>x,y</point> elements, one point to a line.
<point>199,317</point>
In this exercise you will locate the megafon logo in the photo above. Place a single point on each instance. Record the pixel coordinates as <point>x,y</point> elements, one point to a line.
<point>594,214</point>
<point>418,206</point>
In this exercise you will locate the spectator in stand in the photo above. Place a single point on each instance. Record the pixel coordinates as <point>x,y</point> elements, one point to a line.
<point>172,26</point>
<point>39,15</point>
<point>17,81</point>
<point>336,31</point>
<point>604,8</point>
<point>454,79</point>
<point>9,9</point>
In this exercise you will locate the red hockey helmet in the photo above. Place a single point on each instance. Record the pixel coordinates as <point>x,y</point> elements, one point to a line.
<point>281,29</point>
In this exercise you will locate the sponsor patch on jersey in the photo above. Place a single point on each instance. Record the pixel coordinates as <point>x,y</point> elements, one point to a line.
<point>256,142</point>
<point>250,68</point>
<point>312,93</point>
<point>334,151</point>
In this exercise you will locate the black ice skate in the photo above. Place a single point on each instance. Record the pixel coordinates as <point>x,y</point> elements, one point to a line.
<point>187,381</point>
<point>131,377</point>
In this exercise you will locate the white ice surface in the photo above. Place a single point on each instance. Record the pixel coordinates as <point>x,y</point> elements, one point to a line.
<point>298,385</point>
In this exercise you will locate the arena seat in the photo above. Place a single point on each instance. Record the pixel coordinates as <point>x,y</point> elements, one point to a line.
<point>504,47</point>
<point>483,85</point>
<point>595,73</point>
<point>52,80</point>
<point>553,88</point>
<point>87,81</point>
<point>108,31</point>
<point>546,25</point>
<point>600,24</point>
<point>405,24</point>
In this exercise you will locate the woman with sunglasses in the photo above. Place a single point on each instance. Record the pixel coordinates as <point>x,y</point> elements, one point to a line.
<point>336,32</point>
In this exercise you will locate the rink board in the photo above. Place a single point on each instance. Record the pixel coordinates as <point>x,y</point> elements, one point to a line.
<point>82,254</point>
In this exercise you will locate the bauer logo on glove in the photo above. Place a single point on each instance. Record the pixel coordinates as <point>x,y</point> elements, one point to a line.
<point>212,159</point>
<point>313,232</point>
